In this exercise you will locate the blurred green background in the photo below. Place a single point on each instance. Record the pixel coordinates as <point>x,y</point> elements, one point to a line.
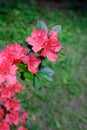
<point>61,105</point>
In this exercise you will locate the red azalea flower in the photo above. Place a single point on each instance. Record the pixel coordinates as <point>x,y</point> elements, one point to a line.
<point>7,70</point>
<point>53,34</point>
<point>16,52</point>
<point>1,113</point>
<point>8,73</point>
<point>12,118</point>
<point>22,128</point>
<point>51,47</point>
<point>8,91</point>
<point>4,126</point>
<point>37,39</point>
<point>24,116</point>
<point>33,63</point>
<point>12,104</point>
<point>16,88</point>
<point>5,92</point>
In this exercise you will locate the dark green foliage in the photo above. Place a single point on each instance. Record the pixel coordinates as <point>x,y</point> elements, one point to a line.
<point>36,82</point>
<point>28,75</point>
<point>46,73</point>
<point>22,67</point>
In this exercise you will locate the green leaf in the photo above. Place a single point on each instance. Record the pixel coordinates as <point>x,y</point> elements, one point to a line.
<point>45,76</point>
<point>28,75</point>
<point>58,125</point>
<point>21,67</point>
<point>47,70</point>
<point>28,123</point>
<point>36,82</point>
<point>42,25</point>
<point>46,73</point>
<point>1,103</point>
<point>57,28</point>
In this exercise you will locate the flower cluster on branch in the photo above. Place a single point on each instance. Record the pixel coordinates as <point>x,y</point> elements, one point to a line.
<point>28,62</point>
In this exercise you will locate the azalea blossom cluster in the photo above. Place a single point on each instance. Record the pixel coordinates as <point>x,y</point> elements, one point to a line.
<point>10,108</point>
<point>46,44</point>
<point>41,45</point>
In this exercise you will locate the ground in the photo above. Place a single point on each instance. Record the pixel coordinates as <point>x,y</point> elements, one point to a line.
<point>61,105</point>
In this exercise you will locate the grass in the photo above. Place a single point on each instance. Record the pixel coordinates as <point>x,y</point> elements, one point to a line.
<point>61,105</point>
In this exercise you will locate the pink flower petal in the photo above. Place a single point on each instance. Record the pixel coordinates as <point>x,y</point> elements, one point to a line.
<point>52,56</point>
<point>31,41</point>
<point>53,34</point>
<point>33,63</point>
<point>11,79</point>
